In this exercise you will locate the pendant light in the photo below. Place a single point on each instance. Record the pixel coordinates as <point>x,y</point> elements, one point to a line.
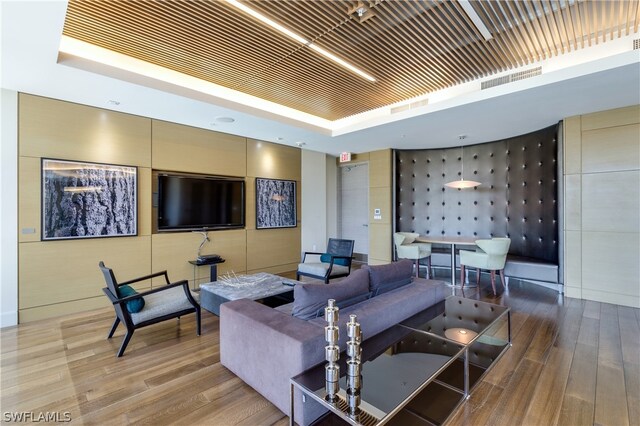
<point>462,183</point>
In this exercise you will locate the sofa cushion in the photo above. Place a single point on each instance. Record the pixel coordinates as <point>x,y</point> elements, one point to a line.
<point>384,278</point>
<point>308,299</point>
<point>326,258</point>
<point>381,312</point>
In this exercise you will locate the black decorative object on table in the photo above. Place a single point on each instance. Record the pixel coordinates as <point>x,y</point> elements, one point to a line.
<point>213,260</point>
<point>88,200</point>
<point>275,203</point>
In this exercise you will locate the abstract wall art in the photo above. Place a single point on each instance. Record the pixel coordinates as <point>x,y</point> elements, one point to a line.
<point>275,203</point>
<point>88,200</point>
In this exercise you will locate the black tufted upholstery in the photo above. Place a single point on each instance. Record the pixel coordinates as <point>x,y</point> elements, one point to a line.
<point>517,198</point>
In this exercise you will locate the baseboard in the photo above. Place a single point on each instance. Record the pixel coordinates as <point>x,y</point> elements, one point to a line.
<point>8,319</point>
<point>360,257</point>
<point>557,287</point>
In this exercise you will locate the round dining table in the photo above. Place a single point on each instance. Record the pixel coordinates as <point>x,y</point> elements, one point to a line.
<point>451,241</point>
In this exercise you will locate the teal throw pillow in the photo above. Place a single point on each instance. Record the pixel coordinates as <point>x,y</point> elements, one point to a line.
<point>326,258</point>
<point>134,306</point>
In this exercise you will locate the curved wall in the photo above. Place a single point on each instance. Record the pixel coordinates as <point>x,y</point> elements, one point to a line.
<point>518,197</point>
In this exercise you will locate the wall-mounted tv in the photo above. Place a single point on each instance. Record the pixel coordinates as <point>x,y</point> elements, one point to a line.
<point>189,202</point>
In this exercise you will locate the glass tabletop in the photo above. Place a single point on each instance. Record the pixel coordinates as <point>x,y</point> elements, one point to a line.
<point>483,326</point>
<point>396,365</point>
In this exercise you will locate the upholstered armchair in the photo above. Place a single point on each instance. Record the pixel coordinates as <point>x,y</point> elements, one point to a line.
<point>490,255</point>
<point>136,310</point>
<point>335,263</point>
<point>407,249</point>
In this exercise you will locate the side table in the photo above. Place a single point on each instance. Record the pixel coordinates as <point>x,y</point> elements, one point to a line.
<point>213,272</point>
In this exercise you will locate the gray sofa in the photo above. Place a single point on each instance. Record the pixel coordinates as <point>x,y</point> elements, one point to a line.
<point>265,347</point>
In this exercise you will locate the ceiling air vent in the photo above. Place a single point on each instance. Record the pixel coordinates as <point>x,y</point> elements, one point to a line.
<point>636,44</point>
<point>521,75</point>
<point>407,107</point>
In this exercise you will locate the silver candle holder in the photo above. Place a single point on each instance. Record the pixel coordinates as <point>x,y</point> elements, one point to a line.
<point>354,365</point>
<point>332,351</point>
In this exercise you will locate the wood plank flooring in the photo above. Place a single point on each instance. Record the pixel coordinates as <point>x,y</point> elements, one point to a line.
<point>572,362</point>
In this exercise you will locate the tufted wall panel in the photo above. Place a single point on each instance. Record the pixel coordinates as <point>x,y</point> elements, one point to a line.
<point>517,198</point>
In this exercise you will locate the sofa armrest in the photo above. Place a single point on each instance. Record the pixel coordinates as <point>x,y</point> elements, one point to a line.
<point>265,348</point>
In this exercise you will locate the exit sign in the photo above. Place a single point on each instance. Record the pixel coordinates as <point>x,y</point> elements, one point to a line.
<point>345,156</point>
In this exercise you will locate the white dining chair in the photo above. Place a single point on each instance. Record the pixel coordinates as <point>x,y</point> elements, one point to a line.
<point>490,255</point>
<point>406,248</point>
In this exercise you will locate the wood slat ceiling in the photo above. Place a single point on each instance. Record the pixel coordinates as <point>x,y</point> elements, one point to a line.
<point>412,47</point>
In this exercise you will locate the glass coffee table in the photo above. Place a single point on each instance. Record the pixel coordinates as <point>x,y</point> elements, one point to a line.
<point>420,370</point>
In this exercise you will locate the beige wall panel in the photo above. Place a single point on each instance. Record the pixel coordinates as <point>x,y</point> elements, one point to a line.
<point>380,192</point>
<point>610,262</point>
<point>188,149</point>
<point>613,298</point>
<point>377,262</point>
<point>270,160</point>
<point>144,201</point>
<point>29,193</point>
<point>572,145</point>
<point>276,270</point>
<point>380,168</point>
<point>611,149</point>
<point>572,202</point>
<point>611,202</point>
<point>380,198</point>
<point>173,251</point>
<point>379,242</point>
<point>272,247</point>
<point>63,130</point>
<point>65,308</point>
<point>250,203</point>
<point>60,271</point>
<point>573,259</point>
<point>611,118</point>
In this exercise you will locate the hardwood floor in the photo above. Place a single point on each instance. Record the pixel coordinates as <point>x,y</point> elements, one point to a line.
<point>572,362</point>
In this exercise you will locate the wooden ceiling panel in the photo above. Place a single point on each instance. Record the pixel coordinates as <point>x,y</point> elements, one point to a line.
<point>411,47</point>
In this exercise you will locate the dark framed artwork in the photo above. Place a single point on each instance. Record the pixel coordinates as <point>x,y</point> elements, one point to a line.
<point>88,200</point>
<point>275,203</point>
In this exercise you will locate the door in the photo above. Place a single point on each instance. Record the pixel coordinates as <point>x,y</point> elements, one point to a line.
<point>353,221</point>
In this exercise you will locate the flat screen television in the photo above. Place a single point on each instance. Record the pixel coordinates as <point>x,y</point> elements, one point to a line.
<point>189,202</point>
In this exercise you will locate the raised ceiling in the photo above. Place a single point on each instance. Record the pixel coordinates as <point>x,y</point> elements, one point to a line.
<point>412,48</point>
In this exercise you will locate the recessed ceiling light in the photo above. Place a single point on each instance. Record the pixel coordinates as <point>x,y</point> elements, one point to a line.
<point>113,102</point>
<point>225,119</point>
<point>300,144</point>
<point>279,138</point>
<point>461,137</point>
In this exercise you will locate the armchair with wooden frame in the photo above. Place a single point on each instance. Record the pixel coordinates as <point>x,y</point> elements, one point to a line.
<point>172,300</point>
<point>334,263</point>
